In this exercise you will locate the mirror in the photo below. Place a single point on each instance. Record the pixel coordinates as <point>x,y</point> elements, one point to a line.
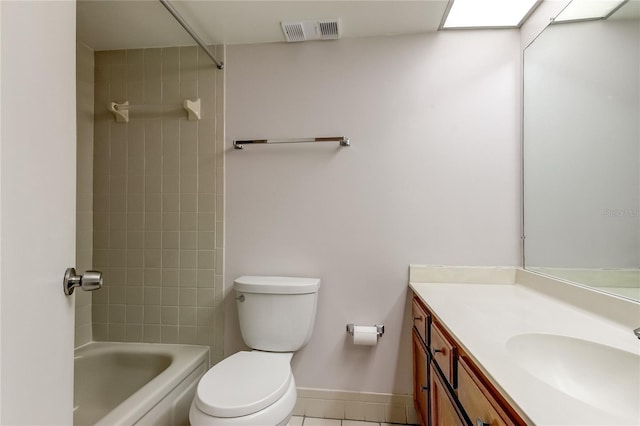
<point>581,152</point>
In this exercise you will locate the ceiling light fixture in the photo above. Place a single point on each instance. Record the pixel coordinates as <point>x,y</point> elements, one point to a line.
<point>470,14</point>
<point>586,10</point>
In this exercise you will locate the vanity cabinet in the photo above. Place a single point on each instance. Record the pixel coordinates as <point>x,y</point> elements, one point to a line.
<point>456,391</point>
<point>420,335</point>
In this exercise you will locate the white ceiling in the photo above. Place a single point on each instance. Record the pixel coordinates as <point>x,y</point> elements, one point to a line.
<point>119,24</point>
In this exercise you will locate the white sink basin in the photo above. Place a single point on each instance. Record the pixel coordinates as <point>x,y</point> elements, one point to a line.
<point>599,375</point>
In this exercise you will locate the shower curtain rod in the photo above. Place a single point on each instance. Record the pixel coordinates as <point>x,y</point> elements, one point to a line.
<point>192,33</point>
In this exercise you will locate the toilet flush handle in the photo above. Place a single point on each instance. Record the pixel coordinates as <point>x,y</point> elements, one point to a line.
<point>240,298</point>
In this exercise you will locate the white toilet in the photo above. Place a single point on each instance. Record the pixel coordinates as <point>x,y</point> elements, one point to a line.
<point>256,388</point>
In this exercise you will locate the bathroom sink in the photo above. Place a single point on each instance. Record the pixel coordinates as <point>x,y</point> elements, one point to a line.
<point>599,375</point>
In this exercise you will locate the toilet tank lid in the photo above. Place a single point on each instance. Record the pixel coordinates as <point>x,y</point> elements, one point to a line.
<point>276,285</point>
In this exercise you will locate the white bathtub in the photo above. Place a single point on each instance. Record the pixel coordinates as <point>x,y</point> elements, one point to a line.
<point>136,383</point>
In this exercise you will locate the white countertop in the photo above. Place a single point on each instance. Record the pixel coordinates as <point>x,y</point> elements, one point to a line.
<point>483,317</point>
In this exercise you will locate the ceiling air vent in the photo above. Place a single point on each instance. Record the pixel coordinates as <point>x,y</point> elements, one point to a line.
<point>325,29</point>
<point>329,30</point>
<point>293,31</point>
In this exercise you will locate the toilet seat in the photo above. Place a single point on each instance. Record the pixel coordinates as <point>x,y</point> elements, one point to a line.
<point>244,383</point>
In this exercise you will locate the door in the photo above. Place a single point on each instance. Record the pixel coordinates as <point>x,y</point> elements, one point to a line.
<point>37,210</point>
<point>443,410</point>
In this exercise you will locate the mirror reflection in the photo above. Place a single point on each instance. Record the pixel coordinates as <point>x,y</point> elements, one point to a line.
<point>581,152</point>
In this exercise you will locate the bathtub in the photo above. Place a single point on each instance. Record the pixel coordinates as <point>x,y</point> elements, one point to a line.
<point>136,383</point>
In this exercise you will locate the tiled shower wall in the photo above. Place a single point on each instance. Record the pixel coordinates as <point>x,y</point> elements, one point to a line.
<point>158,198</point>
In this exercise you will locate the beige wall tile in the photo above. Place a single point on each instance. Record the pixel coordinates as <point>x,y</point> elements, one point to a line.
<point>188,316</point>
<point>100,331</point>
<point>171,240</point>
<point>171,221</point>
<point>395,413</point>
<point>152,77</point>
<point>151,334</point>
<point>186,335</point>
<point>133,332</point>
<point>153,215</point>
<point>334,409</point>
<point>171,75</point>
<point>188,181</point>
<point>135,240</point>
<point>169,334</point>
<point>188,202</point>
<point>171,183</point>
<point>135,276</point>
<point>354,410</point>
<point>135,315</point>
<point>205,278</point>
<point>170,315</point>
<point>314,407</point>
<point>153,258</point>
<point>188,277</point>
<point>100,313</point>
<point>206,240</point>
<point>170,296</point>
<point>134,296</point>
<point>170,277</point>
<point>153,277</point>
<point>152,315</point>
<point>188,297</point>
<point>373,412</point>
<point>152,295</point>
<point>205,297</point>
<point>206,259</point>
<point>135,76</point>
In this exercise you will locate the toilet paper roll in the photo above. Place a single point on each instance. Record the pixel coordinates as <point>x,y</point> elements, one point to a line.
<point>365,335</point>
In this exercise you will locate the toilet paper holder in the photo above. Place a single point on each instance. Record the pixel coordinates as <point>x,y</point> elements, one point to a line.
<point>380,328</point>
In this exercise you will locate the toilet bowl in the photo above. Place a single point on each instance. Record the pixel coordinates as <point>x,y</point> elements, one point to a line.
<point>257,388</point>
<point>248,388</point>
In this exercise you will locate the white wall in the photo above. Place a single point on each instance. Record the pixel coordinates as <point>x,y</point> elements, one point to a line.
<point>432,176</point>
<point>38,204</point>
<point>539,19</point>
<point>582,101</point>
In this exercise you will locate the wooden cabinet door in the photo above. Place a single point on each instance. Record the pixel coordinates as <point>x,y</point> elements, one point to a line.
<point>443,410</point>
<point>420,380</point>
<point>444,353</point>
<point>420,321</point>
<point>478,401</point>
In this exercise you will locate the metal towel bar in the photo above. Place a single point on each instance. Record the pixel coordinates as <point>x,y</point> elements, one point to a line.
<point>239,144</point>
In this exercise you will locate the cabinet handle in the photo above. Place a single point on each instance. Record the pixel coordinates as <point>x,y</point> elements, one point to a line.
<point>417,318</point>
<point>435,351</point>
<point>479,422</point>
<point>424,388</point>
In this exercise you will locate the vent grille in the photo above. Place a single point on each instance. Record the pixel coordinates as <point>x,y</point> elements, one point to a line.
<point>293,31</point>
<point>329,30</point>
<point>325,29</point>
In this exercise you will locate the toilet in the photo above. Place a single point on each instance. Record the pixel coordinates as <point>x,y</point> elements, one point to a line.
<point>257,387</point>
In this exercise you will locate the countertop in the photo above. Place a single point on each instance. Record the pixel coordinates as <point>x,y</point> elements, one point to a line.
<point>484,316</point>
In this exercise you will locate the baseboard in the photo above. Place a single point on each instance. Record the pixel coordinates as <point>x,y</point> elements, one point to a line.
<point>366,406</point>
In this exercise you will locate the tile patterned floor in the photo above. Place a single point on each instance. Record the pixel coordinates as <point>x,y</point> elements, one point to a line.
<point>312,421</point>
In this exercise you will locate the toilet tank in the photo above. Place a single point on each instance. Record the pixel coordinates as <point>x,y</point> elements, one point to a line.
<point>276,314</point>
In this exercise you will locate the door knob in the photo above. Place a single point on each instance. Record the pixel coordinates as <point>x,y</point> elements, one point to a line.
<point>91,280</point>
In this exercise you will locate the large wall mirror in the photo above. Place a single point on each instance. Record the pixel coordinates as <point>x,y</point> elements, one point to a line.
<point>582,152</point>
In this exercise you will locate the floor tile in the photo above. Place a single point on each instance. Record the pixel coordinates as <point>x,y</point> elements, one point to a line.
<point>313,421</point>
<point>296,421</point>
<point>358,423</point>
